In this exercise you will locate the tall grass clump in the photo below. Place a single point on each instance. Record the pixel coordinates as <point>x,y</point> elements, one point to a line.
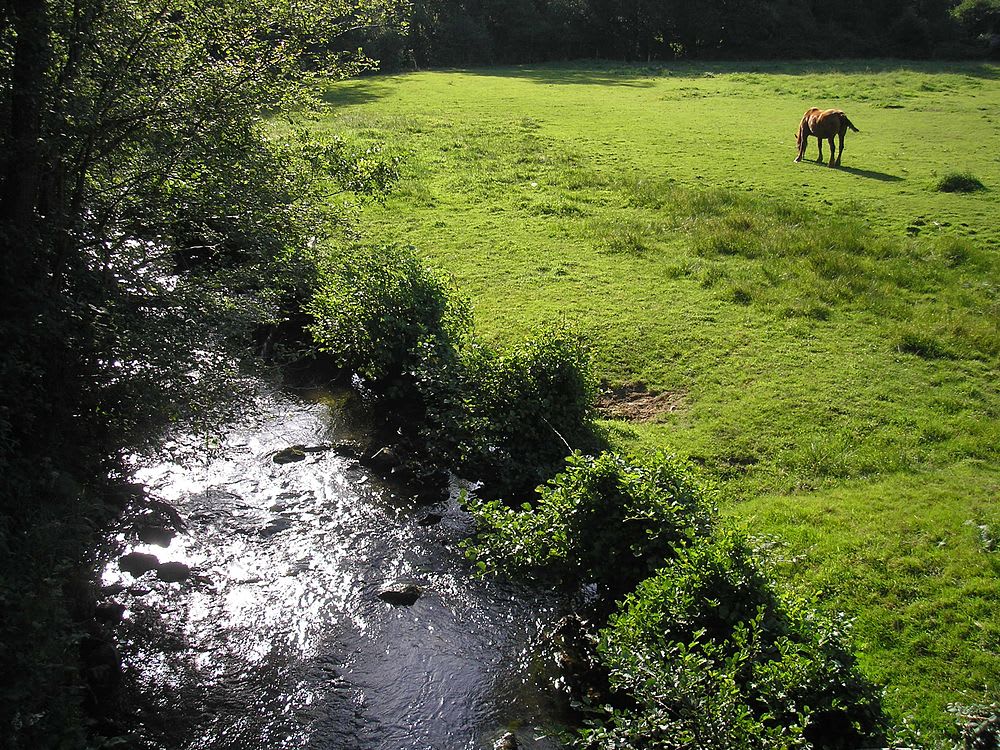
<point>959,182</point>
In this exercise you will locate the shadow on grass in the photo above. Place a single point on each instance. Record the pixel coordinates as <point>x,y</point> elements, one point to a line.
<point>586,73</point>
<point>869,173</point>
<point>616,73</point>
<point>357,91</point>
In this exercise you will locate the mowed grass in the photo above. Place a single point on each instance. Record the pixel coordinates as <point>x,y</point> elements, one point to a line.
<point>832,335</point>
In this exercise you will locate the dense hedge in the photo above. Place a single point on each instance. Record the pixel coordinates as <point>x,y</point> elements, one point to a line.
<point>602,520</point>
<point>715,657</point>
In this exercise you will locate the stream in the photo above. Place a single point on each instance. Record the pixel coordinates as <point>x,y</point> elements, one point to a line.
<point>274,636</point>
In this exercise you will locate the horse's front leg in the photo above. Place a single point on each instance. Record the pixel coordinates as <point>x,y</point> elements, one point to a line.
<point>833,152</point>
<point>819,142</point>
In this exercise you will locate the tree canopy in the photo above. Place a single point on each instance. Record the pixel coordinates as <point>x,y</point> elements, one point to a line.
<point>478,32</point>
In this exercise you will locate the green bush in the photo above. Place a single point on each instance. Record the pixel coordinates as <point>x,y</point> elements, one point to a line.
<point>508,419</point>
<point>714,656</point>
<point>979,726</point>
<point>379,310</point>
<point>703,651</point>
<point>602,520</point>
<point>525,410</point>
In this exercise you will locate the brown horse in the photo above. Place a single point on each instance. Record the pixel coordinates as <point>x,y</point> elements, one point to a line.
<point>824,123</point>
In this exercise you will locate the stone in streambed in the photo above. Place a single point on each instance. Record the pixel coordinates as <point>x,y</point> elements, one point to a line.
<point>276,526</point>
<point>173,572</point>
<point>161,536</point>
<point>400,593</point>
<point>138,563</point>
<point>297,452</point>
<point>429,519</point>
<point>290,455</point>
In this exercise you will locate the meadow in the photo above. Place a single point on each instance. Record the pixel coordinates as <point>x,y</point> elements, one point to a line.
<point>822,343</point>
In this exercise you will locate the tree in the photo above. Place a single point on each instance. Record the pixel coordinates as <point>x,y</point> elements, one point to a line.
<point>979,17</point>
<point>152,220</point>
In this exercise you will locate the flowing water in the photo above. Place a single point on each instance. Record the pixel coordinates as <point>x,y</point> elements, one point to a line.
<point>277,637</point>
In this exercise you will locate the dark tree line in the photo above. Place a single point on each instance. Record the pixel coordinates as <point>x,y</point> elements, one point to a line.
<point>483,32</point>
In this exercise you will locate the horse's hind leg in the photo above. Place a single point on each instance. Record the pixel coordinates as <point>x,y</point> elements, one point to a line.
<point>819,142</point>
<point>841,152</point>
<point>833,152</point>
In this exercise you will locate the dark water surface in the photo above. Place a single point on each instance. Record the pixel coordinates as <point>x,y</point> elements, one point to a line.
<point>278,639</point>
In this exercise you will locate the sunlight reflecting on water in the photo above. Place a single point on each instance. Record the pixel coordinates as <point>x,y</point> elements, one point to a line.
<point>276,637</point>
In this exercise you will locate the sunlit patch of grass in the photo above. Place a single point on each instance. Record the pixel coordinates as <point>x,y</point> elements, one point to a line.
<point>839,456</point>
<point>625,235</point>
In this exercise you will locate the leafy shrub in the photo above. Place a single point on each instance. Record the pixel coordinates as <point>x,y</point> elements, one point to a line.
<point>959,183</point>
<point>602,520</point>
<point>713,656</point>
<point>504,418</point>
<point>979,725</point>
<point>980,17</point>
<point>378,311</point>
<point>703,650</point>
<point>526,409</point>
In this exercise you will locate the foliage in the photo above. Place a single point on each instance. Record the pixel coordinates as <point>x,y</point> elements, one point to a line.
<point>958,182</point>
<point>980,17</point>
<point>505,418</point>
<point>602,520</point>
<point>379,311</point>
<point>477,32</point>
<point>523,410</point>
<point>979,725</point>
<point>703,650</point>
<point>146,197</point>
<point>151,226</point>
<point>715,657</point>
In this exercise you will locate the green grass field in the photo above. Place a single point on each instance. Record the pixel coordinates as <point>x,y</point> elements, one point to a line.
<point>829,338</point>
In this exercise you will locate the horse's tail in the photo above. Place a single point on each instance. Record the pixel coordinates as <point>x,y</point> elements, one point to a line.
<point>850,124</point>
<point>801,132</point>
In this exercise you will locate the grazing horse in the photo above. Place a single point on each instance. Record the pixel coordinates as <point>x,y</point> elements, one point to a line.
<point>824,123</point>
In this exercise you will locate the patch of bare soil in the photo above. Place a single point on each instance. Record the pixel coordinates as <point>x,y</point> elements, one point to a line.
<point>632,402</point>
